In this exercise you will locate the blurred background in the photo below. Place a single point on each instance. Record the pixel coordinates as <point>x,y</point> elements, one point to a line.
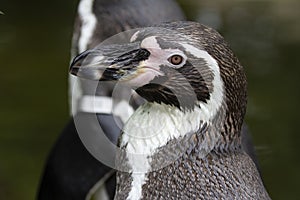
<point>35,38</point>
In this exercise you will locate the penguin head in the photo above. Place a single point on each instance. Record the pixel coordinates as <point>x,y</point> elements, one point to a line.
<point>180,64</point>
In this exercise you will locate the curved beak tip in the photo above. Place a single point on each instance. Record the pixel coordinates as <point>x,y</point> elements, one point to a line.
<point>73,70</point>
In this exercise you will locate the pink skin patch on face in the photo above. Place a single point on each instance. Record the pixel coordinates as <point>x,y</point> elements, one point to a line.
<point>150,68</point>
<point>143,76</point>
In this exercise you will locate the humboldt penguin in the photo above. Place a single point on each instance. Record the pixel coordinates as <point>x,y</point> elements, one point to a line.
<point>185,141</point>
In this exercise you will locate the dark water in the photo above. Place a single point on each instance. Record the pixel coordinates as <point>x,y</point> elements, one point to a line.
<point>35,39</point>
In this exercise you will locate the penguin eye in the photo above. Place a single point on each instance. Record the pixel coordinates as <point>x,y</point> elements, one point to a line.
<point>176,59</point>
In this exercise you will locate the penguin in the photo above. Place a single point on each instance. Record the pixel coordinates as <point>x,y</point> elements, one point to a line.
<point>185,142</point>
<point>71,171</point>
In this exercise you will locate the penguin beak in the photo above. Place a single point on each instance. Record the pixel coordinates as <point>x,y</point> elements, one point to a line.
<point>110,63</point>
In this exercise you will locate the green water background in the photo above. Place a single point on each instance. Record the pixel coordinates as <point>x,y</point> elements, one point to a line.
<point>35,38</point>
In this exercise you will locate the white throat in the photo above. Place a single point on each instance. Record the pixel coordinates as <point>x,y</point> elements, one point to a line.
<point>152,125</point>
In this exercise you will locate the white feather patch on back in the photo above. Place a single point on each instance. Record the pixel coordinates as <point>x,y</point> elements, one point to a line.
<point>89,20</point>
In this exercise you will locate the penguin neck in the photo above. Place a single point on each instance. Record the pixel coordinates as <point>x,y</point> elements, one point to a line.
<point>153,126</point>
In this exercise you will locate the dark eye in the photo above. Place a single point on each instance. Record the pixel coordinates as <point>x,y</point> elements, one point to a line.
<point>176,59</point>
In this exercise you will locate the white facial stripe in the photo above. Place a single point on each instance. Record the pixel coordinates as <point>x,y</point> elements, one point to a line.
<point>216,98</point>
<point>89,20</point>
